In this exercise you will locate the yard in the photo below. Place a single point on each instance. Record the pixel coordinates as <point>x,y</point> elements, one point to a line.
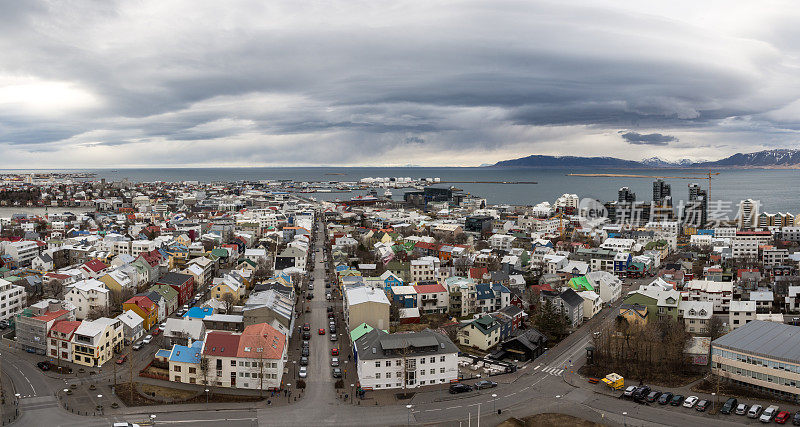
<point>167,395</point>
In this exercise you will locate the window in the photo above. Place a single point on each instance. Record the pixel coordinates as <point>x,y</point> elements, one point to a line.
<point>441,359</point>
<point>378,376</point>
<point>397,362</point>
<point>233,363</point>
<point>433,359</point>
<point>388,363</point>
<point>441,370</point>
<point>422,361</point>
<point>378,364</point>
<point>194,370</point>
<point>177,368</point>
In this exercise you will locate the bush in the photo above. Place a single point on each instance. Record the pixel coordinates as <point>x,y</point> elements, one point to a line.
<point>301,384</point>
<point>339,383</point>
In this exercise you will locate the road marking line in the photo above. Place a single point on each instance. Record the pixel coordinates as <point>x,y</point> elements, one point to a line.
<point>453,407</point>
<point>560,372</point>
<point>511,394</point>
<point>433,410</point>
<point>537,367</point>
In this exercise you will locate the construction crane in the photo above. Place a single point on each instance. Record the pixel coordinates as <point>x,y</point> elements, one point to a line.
<point>624,175</point>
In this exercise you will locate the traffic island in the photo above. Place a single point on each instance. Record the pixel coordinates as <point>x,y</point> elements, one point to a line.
<point>149,394</point>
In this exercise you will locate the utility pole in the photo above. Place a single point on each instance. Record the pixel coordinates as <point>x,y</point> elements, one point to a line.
<point>130,369</point>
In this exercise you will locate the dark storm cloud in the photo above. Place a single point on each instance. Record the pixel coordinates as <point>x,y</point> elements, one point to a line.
<point>637,138</point>
<point>361,82</point>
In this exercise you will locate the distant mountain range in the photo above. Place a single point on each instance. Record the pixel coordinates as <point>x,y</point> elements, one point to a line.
<point>777,159</point>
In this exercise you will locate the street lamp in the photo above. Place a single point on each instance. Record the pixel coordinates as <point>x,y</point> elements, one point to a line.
<point>409,413</point>
<point>294,363</point>
<point>287,393</point>
<point>352,391</point>
<point>494,400</point>
<point>152,418</point>
<point>207,396</point>
<point>624,414</point>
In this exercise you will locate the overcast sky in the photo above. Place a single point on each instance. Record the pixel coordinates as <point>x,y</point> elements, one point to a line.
<point>199,83</point>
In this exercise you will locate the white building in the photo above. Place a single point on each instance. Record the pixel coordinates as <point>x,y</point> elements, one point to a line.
<point>696,315</point>
<point>424,269</point>
<point>22,252</point>
<point>607,285</point>
<point>501,242</point>
<point>719,293</point>
<point>619,245</point>
<point>88,295</point>
<point>740,313</point>
<point>592,304</point>
<point>12,299</point>
<point>405,361</point>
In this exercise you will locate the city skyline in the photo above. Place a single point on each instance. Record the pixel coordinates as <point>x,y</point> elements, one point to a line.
<point>360,84</point>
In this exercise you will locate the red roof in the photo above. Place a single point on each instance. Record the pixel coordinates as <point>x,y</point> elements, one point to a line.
<point>261,336</point>
<point>50,315</point>
<point>95,265</point>
<point>142,302</point>
<point>65,326</point>
<point>426,245</point>
<point>477,273</point>
<point>429,289</point>
<point>220,343</point>
<point>153,257</point>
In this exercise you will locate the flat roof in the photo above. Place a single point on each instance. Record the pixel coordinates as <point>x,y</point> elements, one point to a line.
<point>768,339</point>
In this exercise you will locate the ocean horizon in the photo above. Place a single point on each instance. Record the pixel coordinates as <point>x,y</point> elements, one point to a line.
<point>774,188</point>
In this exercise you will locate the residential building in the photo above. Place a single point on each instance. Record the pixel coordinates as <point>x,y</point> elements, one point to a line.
<point>12,299</point>
<point>132,326</point>
<point>607,285</point>
<point>22,252</point>
<point>661,303</point>
<point>741,313</point>
<point>184,363</point>
<point>88,296</point>
<point>592,304</point>
<point>182,283</point>
<point>482,333</point>
<point>696,315</point>
<point>145,308</point>
<point>33,324</point>
<point>404,361</point>
<point>366,305</point>
<point>95,341</point>
<point>59,340</point>
<point>432,298</point>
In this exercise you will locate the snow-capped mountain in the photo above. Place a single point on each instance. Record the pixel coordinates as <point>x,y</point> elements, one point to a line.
<point>779,158</point>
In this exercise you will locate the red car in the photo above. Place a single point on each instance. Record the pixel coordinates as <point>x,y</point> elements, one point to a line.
<point>321,331</point>
<point>157,332</point>
<point>122,359</point>
<point>782,417</point>
<point>334,352</point>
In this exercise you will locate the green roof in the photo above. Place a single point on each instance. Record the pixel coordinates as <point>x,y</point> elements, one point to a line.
<point>360,331</point>
<point>580,284</point>
<point>220,252</point>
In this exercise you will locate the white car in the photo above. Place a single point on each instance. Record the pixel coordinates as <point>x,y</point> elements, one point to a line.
<point>162,326</point>
<point>303,372</point>
<point>147,339</point>
<point>690,401</point>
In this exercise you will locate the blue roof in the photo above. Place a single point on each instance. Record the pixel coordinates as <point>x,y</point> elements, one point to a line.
<point>183,354</point>
<point>199,312</point>
<point>500,287</point>
<point>484,291</point>
<point>163,353</point>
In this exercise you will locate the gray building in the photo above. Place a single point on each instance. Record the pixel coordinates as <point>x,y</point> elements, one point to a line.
<point>35,321</point>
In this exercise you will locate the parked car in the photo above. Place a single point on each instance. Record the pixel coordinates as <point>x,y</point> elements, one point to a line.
<point>147,339</point>
<point>303,372</point>
<point>334,361</point>
<point>755,411</point>
<point>330,309</point>
<point>334,351</point>
<point>641,393</point>
<point>629,391</point>
<point>676,400</point>
<point>122,359</point>
<point>337,373</point>
<point>3,324</point>
<point>157,332</point>
<point>665,398</point>
<point>653,396</point>
<point>729,406</point>
<point>741,409</point>
<point>162,325</point>
<point>327,285</point>
<point>45,366</point>
<point>310,286</point>
<point>796,418</point>
<point>303,360</point>
<point>480,385</point>
<point>782,417</point>
<point>703,405</point>
<point>306,335</point>
<point>333,337</point>
<point>690,401</point>
<point>459,388</point>
<point>306,326</point>
<point>137,346</point>
<point>768,414</point>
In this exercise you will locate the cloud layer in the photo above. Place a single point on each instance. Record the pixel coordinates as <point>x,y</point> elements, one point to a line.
<point>188,83</point>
